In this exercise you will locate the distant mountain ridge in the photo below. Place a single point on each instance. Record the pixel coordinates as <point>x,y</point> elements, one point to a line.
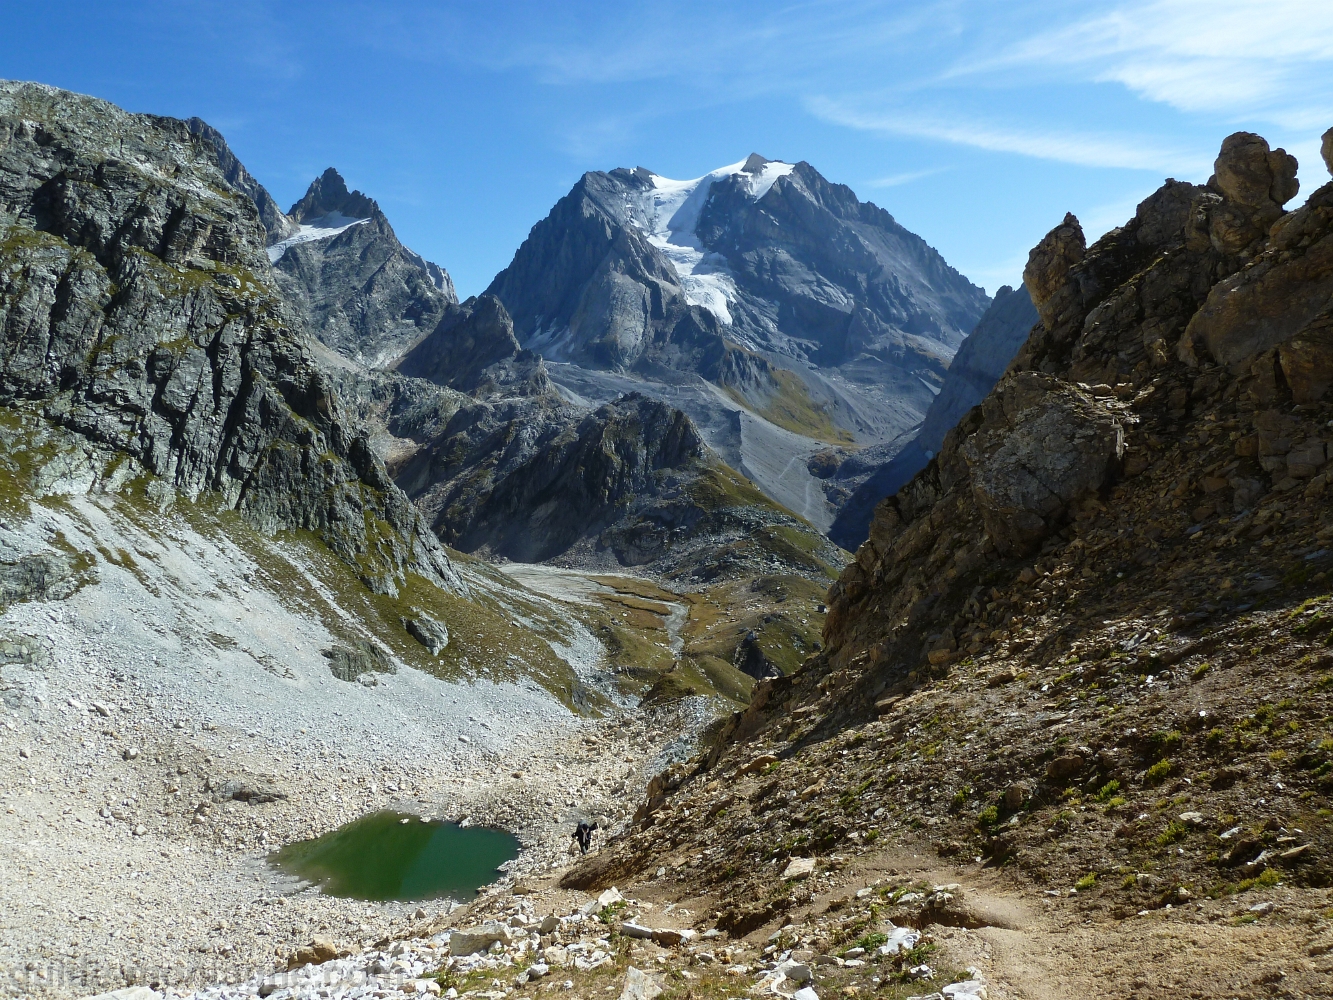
<point>363,293</point>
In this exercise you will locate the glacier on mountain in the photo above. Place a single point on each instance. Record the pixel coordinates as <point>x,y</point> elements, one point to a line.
<point>319,229</point>
<point>669,213</point>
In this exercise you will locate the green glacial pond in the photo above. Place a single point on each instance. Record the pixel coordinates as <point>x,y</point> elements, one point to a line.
<point>382,857</point>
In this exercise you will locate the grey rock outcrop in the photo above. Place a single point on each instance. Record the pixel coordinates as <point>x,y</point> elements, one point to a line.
<point>429,632</point>
<point>978,365</point>
<point>37,576</point>
<point>137,314</point>
<point>469,340</point>
<point>362,292</point>
<point>356,660</point>
<point>575,477</point>
<point>1042,445</point>
<point>276,223</point>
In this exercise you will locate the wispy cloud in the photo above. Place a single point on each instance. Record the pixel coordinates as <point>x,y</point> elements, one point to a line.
<point>1086,149</point>
<point>1229,57</point>
<point>896,180</point>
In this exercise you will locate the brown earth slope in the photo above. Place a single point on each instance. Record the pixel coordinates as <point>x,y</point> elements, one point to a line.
<point>1082,666</point>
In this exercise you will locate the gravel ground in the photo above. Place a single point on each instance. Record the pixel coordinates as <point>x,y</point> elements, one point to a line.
<point>135,753</point>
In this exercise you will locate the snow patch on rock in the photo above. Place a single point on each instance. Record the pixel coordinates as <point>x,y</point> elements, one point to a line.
<point>320,229</point>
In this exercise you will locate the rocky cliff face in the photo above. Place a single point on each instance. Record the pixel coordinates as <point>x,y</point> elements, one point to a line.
<point>276,223</point>
<point>975,369</point>
<point>363,293</point>
<point>530,477</point>
<point>140,321</point>
<point>1128,384</point>
<point>820,273</point>
<point>467,348</point>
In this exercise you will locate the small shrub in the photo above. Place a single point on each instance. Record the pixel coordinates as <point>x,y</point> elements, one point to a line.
<point>1175,830</point>
<point>1107,791</point>
<point>1086,882</point>
<point>1164,741</point>
<point>1200,670</point>
<point>988,816</point>
<point>1159,771</point>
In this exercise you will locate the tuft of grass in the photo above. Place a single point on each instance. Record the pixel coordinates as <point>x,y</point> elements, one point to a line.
<point>1086,882</point>
<point>1175,830</point>
<point>1159,771</point>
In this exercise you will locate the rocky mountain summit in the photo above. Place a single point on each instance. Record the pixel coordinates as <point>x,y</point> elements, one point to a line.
<point>775,308</point>
<point>361,291</point>
<point>1084,648</point>
<point>143,335</point>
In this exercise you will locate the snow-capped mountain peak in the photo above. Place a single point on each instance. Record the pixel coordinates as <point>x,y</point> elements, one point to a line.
<point>671,207</point>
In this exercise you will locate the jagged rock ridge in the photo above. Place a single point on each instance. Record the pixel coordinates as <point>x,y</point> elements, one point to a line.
<point>363,293</point>
<point>278,225</point>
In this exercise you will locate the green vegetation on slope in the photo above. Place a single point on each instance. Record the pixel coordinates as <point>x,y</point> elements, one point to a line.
<point>791,407</point>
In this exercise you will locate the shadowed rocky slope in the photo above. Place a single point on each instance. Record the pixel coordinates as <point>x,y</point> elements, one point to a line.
<point>139,321</point>
<point>975,369</point>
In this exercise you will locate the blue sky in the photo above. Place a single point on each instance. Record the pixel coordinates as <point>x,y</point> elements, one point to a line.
<point>977,124</point>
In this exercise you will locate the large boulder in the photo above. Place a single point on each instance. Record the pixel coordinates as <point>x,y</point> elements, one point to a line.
<point>475,939</point>
<point>1254,182</point>
<point>1043,443</point>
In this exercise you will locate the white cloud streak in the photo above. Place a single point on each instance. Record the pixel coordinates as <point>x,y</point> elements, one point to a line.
<point>1083,149</point>
<point>1230,57</point>
<point>896,180</point>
